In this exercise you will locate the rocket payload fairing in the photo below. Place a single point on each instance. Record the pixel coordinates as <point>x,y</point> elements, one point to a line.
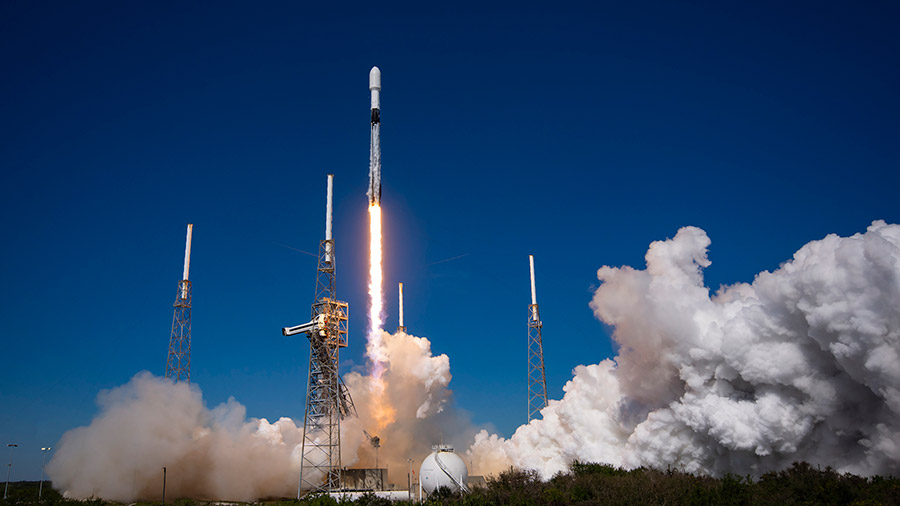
<point>374,192</point>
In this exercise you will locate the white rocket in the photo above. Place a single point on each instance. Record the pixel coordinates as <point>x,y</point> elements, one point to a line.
<point>374,192</point>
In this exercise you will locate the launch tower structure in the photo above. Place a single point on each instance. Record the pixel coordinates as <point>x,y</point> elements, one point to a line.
<point>537,380</point>
<point>178,363</point>
<point>327,399</point>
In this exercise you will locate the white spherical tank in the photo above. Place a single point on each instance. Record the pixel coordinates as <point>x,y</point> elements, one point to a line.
<point>443,468</point>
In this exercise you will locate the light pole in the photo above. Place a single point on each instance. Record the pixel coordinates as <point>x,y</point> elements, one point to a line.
<point>8,469</point>
<point>43,461</point>
<point>409,479</point>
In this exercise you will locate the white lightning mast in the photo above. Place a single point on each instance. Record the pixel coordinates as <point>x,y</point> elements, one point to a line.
<point>328,210</point>
<point>187,256</point>
<point>401,327</point>
<point>537,381</point>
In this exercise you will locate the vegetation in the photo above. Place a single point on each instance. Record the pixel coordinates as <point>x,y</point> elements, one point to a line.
<point>589,484</point>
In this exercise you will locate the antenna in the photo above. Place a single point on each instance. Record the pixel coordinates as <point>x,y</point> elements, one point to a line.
<point>187,254</point>
<point>328,208</point>
<point>401,327</point>
<point>178,363</point>
<point>537,381</point>
<point>533,291</point>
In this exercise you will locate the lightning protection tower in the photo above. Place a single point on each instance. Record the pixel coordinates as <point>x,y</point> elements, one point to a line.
<point>178,364</point>
<point>537,381</point>
<point>327,399</point>
<point>401,327</point>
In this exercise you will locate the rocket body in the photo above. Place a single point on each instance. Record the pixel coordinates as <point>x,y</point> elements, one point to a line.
<point>374,192</point>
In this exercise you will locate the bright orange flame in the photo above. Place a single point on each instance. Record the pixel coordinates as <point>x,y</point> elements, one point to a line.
<point>381,409</point>
<point>376,278</point>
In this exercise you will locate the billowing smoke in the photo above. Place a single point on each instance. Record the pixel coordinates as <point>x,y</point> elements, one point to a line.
<point>801,364</point>
<point>420,403</point>
<point>151,422</point>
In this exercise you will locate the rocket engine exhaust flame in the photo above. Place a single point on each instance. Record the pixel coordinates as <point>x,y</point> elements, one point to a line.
<point>375,349</point>
<point>376,279</point>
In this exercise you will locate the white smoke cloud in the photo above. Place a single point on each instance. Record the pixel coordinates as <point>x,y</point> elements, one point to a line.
<point>417,394</point>
<point>801,364</point>
<point>219,454</point>
<point>150,423</point>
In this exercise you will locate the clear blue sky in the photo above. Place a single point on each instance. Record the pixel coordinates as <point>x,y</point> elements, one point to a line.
<point>578,135</point>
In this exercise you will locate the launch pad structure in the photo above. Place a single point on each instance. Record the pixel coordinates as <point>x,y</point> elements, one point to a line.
<point>327,399</point>
<point>537,380</point>
<point>178,363</point>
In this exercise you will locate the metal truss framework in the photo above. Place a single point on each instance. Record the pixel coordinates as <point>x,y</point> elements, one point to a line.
<point>537,381</point>
<point>327,399</point>
<point>178,363</point>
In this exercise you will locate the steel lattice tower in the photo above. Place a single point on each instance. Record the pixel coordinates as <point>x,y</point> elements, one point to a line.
<point>178,363</point>
<point>327,399</point>
<point>537,381</point>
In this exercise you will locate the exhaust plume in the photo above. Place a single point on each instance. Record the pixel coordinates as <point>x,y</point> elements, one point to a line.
<point>151,422</point>
<point>375,348</point>
<point>800,364</point>
<point>219,454</point>
<point>416,392</point>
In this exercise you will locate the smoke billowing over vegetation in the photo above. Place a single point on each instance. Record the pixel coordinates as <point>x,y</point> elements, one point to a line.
<point>800,365</point>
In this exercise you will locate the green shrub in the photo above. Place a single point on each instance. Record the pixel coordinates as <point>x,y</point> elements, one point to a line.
<point>594,483</point>
<point>584,468</point>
